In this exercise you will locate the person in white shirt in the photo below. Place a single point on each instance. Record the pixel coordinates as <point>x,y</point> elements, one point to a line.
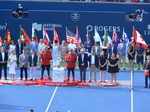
<point>72,46</point>
<point>93,64</point>
<point>33,65</point>
<point>41,47</point>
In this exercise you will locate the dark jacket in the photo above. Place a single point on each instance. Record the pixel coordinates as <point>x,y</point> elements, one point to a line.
<point>96,61</point>
<point>34,60</point>
<point>17,48</point>
<point>85,61</point>
<point>5,58</point>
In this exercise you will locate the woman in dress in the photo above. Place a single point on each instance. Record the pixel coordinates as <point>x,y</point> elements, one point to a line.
<point>103,66</point>
<point>12,46</point>
<point>12,66</point>
<point>113,62</point>
<point>26,47</point>
<point>55,53</point>
<point>63,51</point>
<point>131,55</point>
<point>80,46</point>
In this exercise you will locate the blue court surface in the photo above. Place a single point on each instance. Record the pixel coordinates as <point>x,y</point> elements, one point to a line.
<point>77,99</point>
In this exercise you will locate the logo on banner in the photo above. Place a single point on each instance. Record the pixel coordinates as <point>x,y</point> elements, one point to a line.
<point>75,16</point>
<point>48,26</point>
<point>2,27</point>
<point>147,31</point>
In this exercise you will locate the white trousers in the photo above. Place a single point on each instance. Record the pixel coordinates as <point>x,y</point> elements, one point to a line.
<point>33,72</point>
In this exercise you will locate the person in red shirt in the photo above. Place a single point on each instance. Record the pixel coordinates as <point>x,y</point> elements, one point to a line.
<point>46,56</point>
<point>70,63</point>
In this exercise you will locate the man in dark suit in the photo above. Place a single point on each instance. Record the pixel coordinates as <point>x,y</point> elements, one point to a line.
<point>3,62</point>
<point>83,64</point>
<point>5,45</point>
<point>93,64</point>
<point>33,64</point>
<point>112,49</point>
<point>19,48</point>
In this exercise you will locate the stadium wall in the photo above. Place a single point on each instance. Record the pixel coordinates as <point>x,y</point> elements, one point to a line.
<point>85,15</point>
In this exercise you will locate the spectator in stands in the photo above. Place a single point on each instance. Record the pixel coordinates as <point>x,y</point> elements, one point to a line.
<point>72,46</point>
<point>46,56</point>
<point>70,63</point>
<point>113,62</point>
<point>121,53</point>
<point>98,49</point>
<point>23,60</point>
<point>131,55</point>
<point>83,64</point>
<point>63,52</point>
<point>33,65</point>
<point>134,15</point>
<point>5,45</point>
<point>34,45</point>
<point>19,11</point>
<point>12,46</point>
<point>103,67</point>
<point>88,44</point>
<point>19,48</point>
<point>26,47</point>
<point>147,52</point>
<point>147,72</point>
<point>139,56</point>
<point>12,67</point>
<point>93,64</point>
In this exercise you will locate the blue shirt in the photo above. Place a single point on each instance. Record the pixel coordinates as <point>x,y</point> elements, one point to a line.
<point>140,50</point>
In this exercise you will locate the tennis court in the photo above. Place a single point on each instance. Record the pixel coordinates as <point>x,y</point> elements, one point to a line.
<point>77,99</point>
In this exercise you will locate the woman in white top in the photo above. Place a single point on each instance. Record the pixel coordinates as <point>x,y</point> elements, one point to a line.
<point>12,66</point>
<point>55,53</point>
<point>12,46</point>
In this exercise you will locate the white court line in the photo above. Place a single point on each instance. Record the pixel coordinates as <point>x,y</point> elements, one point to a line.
<point>51,99</point>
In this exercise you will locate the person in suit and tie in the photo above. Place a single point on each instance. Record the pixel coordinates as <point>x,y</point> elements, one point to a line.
<point>5,45</point>
<point>83,64</point>
<point>112,49</point>
<point>33,65</point>
<point>19,48</point>
<point>98,49</point>
<point>147,72</point>
<point>93,64</point>
<point>122,53</point>
<point>23,60</point>
<point>34,45</point>
<point>3,62</point>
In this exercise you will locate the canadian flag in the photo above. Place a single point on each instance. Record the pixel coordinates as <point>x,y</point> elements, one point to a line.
<point>138,39</point>
<point>55,35</point>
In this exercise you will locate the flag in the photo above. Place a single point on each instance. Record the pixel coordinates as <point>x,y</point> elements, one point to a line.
<point>1,41</point>
<point>97,37</point>
<point>78,35</point>
<point>55,35</point>
<point>7,35</point>
<point>34,34</point>
<point>115,38</point>
<point>24,36</point>
<point>126,41</point>
<point>46,37</point>
<point>70,36</point>
<point>138,39</point>
<point>107,38</point>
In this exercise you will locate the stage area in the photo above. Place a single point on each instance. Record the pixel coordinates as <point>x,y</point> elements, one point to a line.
<point>18,98</point>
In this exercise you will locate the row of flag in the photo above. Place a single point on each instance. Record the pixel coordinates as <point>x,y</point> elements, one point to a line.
<point>137,38</point>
